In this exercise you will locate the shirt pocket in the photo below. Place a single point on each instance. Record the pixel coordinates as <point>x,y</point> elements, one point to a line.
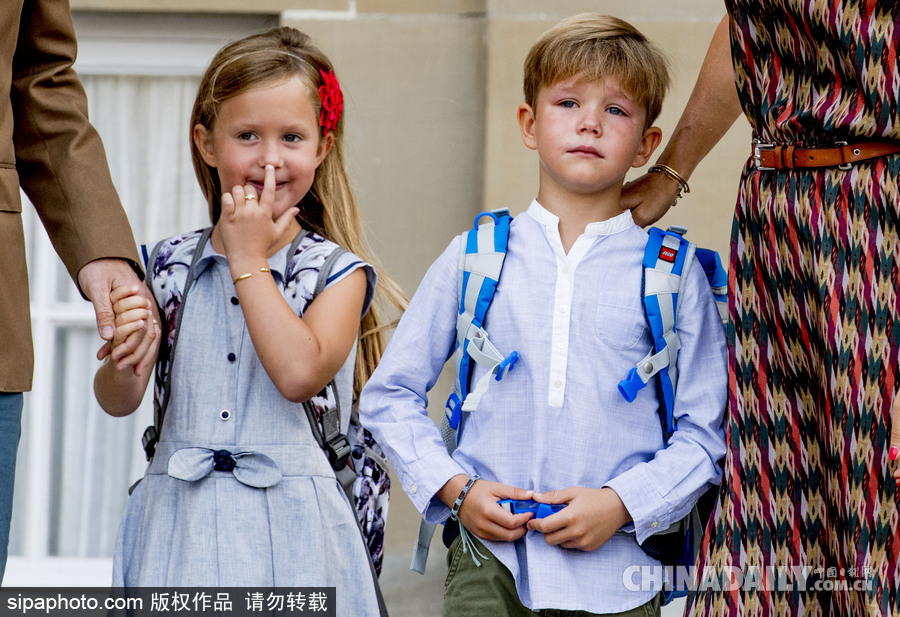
<point>620,320</point>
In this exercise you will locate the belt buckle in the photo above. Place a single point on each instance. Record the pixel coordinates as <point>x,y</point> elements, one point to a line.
<point>757,146</point>
<point>845,166</point>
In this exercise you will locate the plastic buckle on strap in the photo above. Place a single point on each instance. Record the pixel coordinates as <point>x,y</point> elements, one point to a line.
<point>149,441</point>
<point>454,404</point>
<point>507,365</point>
<point>630,386</point>
<point>483,214</point>
<point>338,450</point>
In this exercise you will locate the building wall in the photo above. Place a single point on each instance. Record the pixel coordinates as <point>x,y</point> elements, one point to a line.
<point>432,88</point>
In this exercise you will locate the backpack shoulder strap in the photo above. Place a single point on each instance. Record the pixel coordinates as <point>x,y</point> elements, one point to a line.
<point>170,269</point>
<point>482,254</point>
<point>667,259</point>
<point>717,276</point>
<point>481,257</point>
<point>324,410</point>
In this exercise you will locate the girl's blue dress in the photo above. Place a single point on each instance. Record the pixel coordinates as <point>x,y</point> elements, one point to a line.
<point>280,518</point>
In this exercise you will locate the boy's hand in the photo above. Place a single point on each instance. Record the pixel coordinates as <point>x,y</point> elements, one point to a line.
<point>591,517</point>
<point>482,515</point>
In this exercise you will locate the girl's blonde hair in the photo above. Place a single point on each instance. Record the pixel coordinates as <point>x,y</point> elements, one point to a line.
<point>330,208</point>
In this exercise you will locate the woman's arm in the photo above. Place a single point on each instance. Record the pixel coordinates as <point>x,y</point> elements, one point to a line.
<point>711,110</point>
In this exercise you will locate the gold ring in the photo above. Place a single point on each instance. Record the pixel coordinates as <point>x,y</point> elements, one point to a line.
<point>155,323</point>
<point>249,197</point>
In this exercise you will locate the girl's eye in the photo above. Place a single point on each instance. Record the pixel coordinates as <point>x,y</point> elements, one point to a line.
<point>292,138</point>
<point>246,136</point>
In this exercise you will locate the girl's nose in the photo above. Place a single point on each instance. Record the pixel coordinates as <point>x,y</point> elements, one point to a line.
<point>271,155</point>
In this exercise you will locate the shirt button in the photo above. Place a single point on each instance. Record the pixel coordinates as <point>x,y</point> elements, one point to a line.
<point>557,383</point>
<point>235,301</point>
<point>561,344</point>
<point>232,357</point>
<point>225,414</point>
<point>563,308</point>
<point>654,525</point>
<point>413,489</point>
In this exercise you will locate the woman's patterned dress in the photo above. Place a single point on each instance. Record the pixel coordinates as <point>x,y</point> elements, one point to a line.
<point>807,521</point>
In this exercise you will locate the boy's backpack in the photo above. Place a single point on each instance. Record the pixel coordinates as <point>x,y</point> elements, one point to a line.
<point>357,459</point>
<point>667,258</point>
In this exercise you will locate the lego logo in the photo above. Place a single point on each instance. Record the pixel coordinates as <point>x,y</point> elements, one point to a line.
<point>667,254</point>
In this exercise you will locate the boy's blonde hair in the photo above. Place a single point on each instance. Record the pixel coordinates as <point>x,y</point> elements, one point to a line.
<point>594,47</point>
<point>330,208</point>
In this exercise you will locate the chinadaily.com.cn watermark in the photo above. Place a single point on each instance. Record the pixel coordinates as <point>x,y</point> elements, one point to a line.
<point>750,578</point>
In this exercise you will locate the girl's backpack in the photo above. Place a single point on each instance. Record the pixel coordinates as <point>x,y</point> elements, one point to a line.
<point>357,459</point>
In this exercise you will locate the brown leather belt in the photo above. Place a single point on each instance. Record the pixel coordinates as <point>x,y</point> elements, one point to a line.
<point>842,155</point>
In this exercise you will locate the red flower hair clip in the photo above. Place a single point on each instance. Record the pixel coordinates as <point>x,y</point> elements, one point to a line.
<point>332,101</point>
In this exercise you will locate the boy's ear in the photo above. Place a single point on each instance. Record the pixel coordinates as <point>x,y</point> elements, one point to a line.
<point>526,125</point>
<point>203,141</point>
<point>649,142</point>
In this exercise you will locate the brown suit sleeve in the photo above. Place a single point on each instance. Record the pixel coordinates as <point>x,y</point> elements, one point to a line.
<point>59,156</point>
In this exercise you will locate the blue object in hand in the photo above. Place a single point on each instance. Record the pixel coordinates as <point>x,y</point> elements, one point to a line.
<point>540,510</point>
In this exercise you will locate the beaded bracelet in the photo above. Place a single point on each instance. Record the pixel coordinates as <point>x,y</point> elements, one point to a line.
<point>455,511</point>
<point>674,175</point>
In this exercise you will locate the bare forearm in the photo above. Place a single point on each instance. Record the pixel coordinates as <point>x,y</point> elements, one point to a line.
<point>300,355</point>
<point>119,391</point>
<point>711,110</point>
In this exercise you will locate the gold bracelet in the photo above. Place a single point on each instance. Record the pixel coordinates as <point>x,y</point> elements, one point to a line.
<point>247,275</point>
<point>674,175</point>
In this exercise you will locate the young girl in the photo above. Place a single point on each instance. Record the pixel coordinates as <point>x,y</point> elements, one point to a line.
<point>266,144</point>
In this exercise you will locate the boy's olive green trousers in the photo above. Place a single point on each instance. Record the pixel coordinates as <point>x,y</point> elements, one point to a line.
<point>490,590</point>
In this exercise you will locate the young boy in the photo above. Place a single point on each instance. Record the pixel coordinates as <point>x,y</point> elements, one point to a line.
<point>555,428</point>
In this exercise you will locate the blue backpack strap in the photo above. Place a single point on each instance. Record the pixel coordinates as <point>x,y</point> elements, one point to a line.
<point>717,276</point>
<point>482,253</point>
<point>667,259</point>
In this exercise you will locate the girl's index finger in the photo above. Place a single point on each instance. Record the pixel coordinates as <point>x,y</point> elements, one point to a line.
<point>122,291</point>
<point>268,193</point>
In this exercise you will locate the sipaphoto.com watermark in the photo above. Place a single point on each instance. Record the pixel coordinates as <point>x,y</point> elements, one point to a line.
<point>747,578</point>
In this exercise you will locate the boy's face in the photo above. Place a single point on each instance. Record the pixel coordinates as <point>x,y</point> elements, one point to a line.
<point>587,135</point>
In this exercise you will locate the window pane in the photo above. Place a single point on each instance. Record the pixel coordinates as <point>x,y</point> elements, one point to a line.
<point>95,457</point>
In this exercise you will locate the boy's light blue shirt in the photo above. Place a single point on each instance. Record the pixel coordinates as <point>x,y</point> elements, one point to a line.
<point>557,419</point>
